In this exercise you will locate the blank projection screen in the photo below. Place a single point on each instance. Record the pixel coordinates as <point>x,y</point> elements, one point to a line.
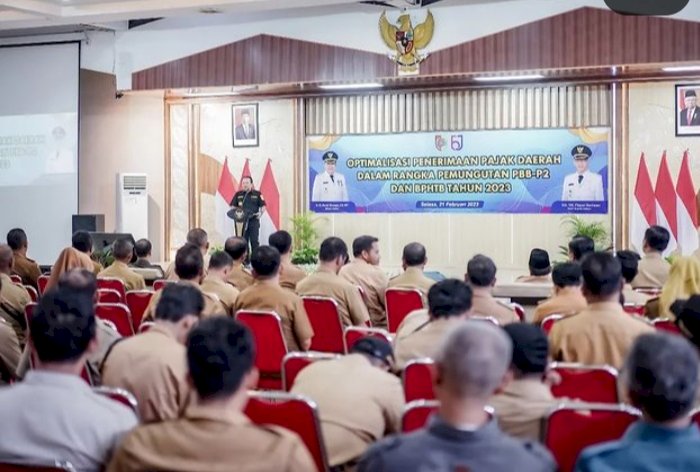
<point>39,144</point>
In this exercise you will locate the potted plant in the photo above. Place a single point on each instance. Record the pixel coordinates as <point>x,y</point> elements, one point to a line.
<point>305,235</point>
<point>577,226</point>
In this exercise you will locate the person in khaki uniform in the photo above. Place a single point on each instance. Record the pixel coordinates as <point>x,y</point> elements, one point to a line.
<point>603,332</point>
<point>197,237</point>
<point>151,365</point>
<point>82,241</point>
<point>567,299</point>
<point>326,282</point>
<point>10,353</point>
<point>653,268</point>
<point>123,251</point>
<point>220,265</point>
<point>540,268</point>
<point>23,266</point>
<point>267,295</point>
<point>449,304</point>
<point>481,276</point>
<point>13,298</point>
<point>290,274</point>
<point>629,261</point>
<point>214,434</point>
<point>414,260</point>
<point>239,277</point>
<point>342,387</point>
<point>364,271</point>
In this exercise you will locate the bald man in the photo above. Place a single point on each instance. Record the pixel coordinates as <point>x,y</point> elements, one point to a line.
<point>13,298</point>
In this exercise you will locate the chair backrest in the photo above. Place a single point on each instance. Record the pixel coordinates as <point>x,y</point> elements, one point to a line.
<point>114,284</point>
<point>489,319</point>
<point>416,414</point>
<point>418,380</point>
<point>353,334</point>
<point>41,283</point>
<point>138,301</point>
<point>399,303</point>
<point>653,291</point>
<point>295,362</point>
<point>695,415</point>
<point>108,295</point>
<point>633,309</point>
<point>266,327</point>
<point>667,326</point>
<point>363,294</point>
<point>589,383</point>
<point>294,412</point>
<point>118,314</point>
<point>120,395</point>
<point>56,466</point>
<point>548,322</point>
<point>571,428</point>
<point>145,326</point>
<point>33,294</point>
<point>325,321</point>
<point>16,279</point>
<point>519,310</point>
<point>160,283</point>
<point>28,312</point>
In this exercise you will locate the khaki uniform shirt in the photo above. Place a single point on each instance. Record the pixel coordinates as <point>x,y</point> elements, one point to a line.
<point>534,279</point>
<point>413,320</point>
<point>10,352</point>
<point>568,301</point>
<point>240,278</point>
<point>324,283</point>
<point>226,292</point>
<point>601,334</point>
<point>653,271</point>
<point>374,282</point>
<point>119,270</point>
<point>269,296</point>
<point>483,304</point>
<point>212,304</point>
<point>521,407</point>
<point>27,269</point>
<point>343,387</point>
<point>213,440</point>
<point>152,366</point>
<point>413,277</point>
<point>636,298</point>
<point>423,340</point>
<point>96,267</point>
<point>290,275</point>
<point>13,300</point>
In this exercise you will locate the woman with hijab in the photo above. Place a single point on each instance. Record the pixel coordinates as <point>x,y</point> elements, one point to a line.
<point>68,260</point>
<point>683,281</point>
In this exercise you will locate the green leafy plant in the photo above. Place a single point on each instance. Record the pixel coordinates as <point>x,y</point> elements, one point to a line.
<point>104,257</point>
<point>577,226</point>
<point>215,248</point>
<point>305,237</point>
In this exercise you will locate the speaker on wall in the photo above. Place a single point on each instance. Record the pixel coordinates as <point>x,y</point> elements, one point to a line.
<point>91,223</point>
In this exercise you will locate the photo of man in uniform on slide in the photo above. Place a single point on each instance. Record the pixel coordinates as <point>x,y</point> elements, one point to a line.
<point>330,185</point>
<point>59,158</point>
<point>582,185</point>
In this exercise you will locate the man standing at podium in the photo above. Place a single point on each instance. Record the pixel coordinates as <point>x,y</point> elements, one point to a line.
<point>253,204</point>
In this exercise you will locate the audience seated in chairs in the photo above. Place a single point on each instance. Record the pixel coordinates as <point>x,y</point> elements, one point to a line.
<point>472,364</point>
<point>53,414</point>
<point>567,299</point>
<point>82,241</point>
<point>413,261</point>
<point>326,282</point>
<point>481,276</point>
<point>14,297</point>
<point>290,274</point>
<point>629,260</point>
<point>653,268</point>
<point>661,380</point>
<point>267,295</point>
<point>580,247</point>
<point>214,434</point>
<point>220,265</point>
<point>143,249</point>
<point>239,277</point>
<point>449,303</point>
<point>123,252</point>
<point>602,333</point>
<point>683,281</point>
<point>199,238</point>
<point>358,382</point>
<point>151,365</point>
<point>26,268</point>
<point>540,268</point>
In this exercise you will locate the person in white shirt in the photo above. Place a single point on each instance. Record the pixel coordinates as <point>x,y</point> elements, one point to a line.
<point>330,185</point>
<point>582,185</point>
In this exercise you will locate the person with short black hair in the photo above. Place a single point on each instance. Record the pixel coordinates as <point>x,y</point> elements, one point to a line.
<point>123,252</point>
<point>82,241</point>
<point>239,276</point>
<point>53,414</point>
<point>197,237</point>
<point>653,268</point>
<point>660,377</point>
<point>481,276</point>
<point>23,266</point>
<point>290,274</point>
<point>579,247</point>
<point>359,381</point>
<point>413,261</point>
<point>253,204</point>
<point>151,365</point>
<point>326,282</point>
<point>602,333</point>
<point>540,268</point>
<point>364,271</point>
<point>267,295</point>
<point>629,261</point>
<point>220,265</point>
<point>215,433</point>
<point>143,249</point>
<point>567,299</point>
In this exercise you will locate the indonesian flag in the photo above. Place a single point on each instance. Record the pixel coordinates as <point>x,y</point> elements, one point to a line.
<point>224,195</point>
<point>643,206</point>
<point>270,220</point>
<point>246,169</point>
<point>666,204</point>
<point>687,210</point>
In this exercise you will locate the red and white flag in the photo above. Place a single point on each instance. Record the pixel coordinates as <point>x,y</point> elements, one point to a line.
<point>224,195</point>
<point>687,210</point>
<point>666,204</point>
<point>246,170</point>
<point>270,220</point>
<point>643,206</point>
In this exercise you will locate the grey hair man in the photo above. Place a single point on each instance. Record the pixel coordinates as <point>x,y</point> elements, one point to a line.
<point>472,364</point>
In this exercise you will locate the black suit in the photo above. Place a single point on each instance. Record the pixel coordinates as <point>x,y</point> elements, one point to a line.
<point>241,132</point>
<point>695,119</point>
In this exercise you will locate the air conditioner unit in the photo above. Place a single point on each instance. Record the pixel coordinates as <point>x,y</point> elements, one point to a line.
<point>132,205</point>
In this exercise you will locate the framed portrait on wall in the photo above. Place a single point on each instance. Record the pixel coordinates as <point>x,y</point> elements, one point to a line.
<point>245,125</point>
<point>687,111</point>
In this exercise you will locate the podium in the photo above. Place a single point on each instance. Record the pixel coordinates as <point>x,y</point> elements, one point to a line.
<point>240,220</point>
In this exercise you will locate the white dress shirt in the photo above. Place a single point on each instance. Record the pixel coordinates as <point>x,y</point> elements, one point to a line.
<point>589,187</point>
<point>329,189</point>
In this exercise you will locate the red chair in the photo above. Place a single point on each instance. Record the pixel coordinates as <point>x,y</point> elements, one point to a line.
<point>33,294</point>
<point>118,314</point>
<point>399,303</point>
<point>325,321</point>
<point>295,362</point>
<point>160,283</point>
<point>667,326</point>
<point>294,412</point>
<point>695,415</point>
<point>16,279</point>
<point>120,395</point>
<point>548,322</point>
<point>352,334</point>
<point>519,311</point>
<point>489,319</point>
<point>588,383</point>
<point>145,326</point>
<point>418,380</point>
<point>41,283</point>
<point>571,428</point>
<point>633,309</point>
<point>56,466</point>
<point>28,312</point>
<point>108,295</point>
<point>266,327</point>
<point>653,291</point>
<point>138,301</point>
<point>417,413</point>
<point>114,284</point>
